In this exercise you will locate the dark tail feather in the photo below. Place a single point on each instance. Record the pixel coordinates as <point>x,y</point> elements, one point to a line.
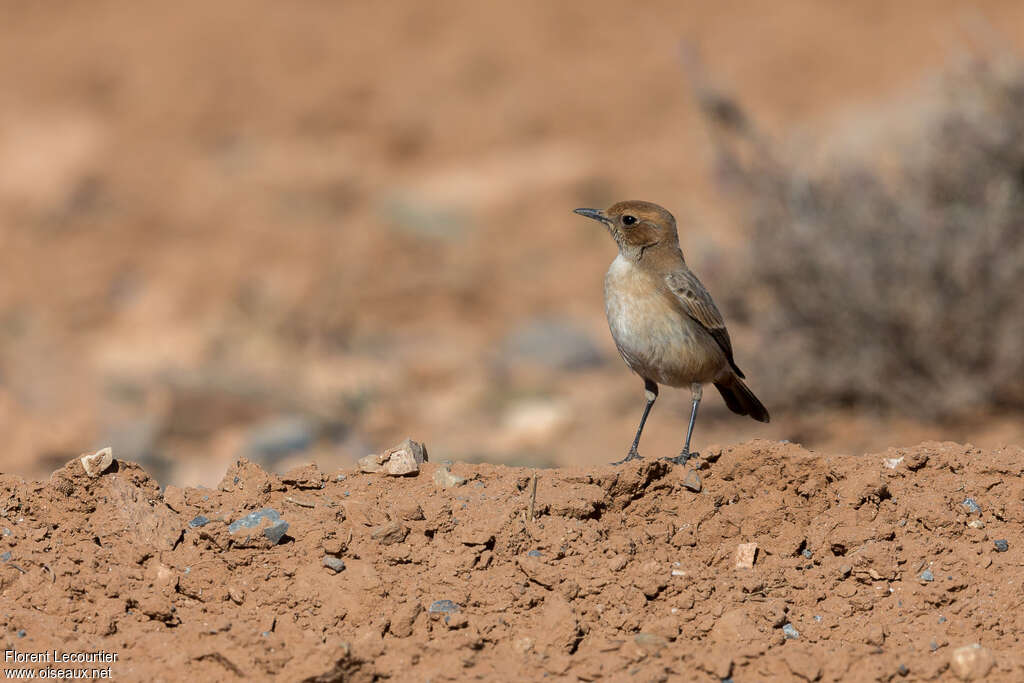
<point>741,399</point>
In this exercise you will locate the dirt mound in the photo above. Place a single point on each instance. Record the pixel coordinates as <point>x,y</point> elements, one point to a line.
<point>873,567</point>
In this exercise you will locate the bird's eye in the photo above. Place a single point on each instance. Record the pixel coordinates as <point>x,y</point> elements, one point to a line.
<point>628,220</point>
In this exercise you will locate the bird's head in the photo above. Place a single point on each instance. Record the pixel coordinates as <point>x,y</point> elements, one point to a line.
<point>637,227</point>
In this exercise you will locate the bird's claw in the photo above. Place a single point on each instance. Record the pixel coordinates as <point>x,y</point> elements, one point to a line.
<point>633,455</point>
<point>681,458</point>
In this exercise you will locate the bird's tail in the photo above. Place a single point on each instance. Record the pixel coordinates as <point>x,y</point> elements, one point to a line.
<point>741,399</point>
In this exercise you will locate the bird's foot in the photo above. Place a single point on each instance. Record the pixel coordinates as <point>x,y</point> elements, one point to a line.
<point>633,455</point>
<point>682,458</point>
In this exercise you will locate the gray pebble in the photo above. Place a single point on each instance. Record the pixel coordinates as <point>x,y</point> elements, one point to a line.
<point>333,563</point>
<point>971,505</point>
<point>276,531</point>
<point>933,645</point>
<point>252,520</point>
<point>903,670</point>
<point>22,633</point>
<point>942,620</point>
<point>1002,545</point>
<point>6,557</point>
<point>198,521</point>
<point>790,631</point>
<point>806,553</point>
<point>443,607</point>
<point>817,618</point>
<point>927,575</point>
<point>534,553</point>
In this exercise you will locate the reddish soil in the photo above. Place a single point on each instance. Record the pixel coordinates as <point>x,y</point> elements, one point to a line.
<point>625,571</point>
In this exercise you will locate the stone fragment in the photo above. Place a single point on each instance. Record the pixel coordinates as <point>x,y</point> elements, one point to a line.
<point>1002,545</point>
<point>198,521</point>
<point>971,506</point>
<point>746,554</point>
<point>97,463</point>
<point>304,477</point>
<point>790,632</point>
<point>650,643</point>
<point>390,533</point>
<point>333,563</point>
<point>446,480</point>
<point>443,607</point>
<point>274,528</point>
<point>971,662</point>
<point>692,481</point>
<point>397,461</point>
<point>276,531</point>
<point>927,576</point>
<point>404,618</point>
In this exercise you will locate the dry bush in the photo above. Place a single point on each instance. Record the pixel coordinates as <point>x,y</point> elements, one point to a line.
<point>900,288</point>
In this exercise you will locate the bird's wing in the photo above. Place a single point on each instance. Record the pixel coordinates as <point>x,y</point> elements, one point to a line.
<point>696,302</point>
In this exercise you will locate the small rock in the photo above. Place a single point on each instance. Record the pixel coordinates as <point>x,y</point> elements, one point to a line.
<point>304,477</point>
<point>1002,545</point>
<point>971,506</point>
<point>916,461</point>
<point>806,553</point>
<point>370,464</point>
<point>276,531</point>
<point>236,595</point>
<point>976,524</point>
<point>97,463</point>
<point>334,545</point>
<point>409,511</point>
<point>790,632</point>
<point>455,621</point>
<point>5,557</point>
<point>6,531</point>
<point>650,643</point>
<point>22,633</point>
<point>446,480</point>
<point>443,607</point>
<point>617,563</point>
<point>692,481</point>
<point>401,463</point>
<point>534,553</point>
<point>971,662</point>
<point>746,554</point>
<point>333,563</point>
<point>198,521</point>
<point>390,533</point>
<point>844,570</point>
<point>253,519</point>
<point>927,576</point>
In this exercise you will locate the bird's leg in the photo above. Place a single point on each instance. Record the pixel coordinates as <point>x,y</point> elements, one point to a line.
<point>698,391</point>
<point>651,391</point>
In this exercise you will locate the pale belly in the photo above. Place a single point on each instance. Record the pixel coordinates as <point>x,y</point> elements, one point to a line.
<point>656,340</point>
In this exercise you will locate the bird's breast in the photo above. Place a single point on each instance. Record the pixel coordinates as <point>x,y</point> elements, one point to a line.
<point>654,338</point>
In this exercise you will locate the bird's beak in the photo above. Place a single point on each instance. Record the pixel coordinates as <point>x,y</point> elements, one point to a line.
<point>594,214</point>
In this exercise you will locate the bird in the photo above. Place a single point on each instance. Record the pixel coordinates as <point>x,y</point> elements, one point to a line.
<point>664,322</point>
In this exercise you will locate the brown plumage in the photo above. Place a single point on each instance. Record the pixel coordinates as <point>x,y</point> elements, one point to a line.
<point>663,320</point>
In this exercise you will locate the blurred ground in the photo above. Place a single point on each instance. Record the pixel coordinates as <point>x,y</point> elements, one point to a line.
<point>301,232</point>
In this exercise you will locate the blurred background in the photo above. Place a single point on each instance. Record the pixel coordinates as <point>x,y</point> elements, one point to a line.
<point>304,231</point>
